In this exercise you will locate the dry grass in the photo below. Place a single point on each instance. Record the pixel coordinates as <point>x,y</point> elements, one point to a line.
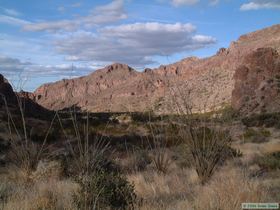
<point>34,184</point>
<point>53,194</point>
<point>161,191</point>
<point>43,189</point>
<point>180,190</point>
<point>228,189</point>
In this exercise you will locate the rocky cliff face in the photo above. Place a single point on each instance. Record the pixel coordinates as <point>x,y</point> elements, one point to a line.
<point>257,83</point>
<point>11,99</point>
<point>6,91</point>
<point>119,88</point>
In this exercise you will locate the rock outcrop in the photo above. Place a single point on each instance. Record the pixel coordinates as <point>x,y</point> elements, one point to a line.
<point>6,91</point>
<point>11,100</point>
<point>119,88</point>
<point>257,83</point>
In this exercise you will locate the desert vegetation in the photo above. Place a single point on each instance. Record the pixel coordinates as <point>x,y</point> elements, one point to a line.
<point>80,160</point>
<point>100,109</point>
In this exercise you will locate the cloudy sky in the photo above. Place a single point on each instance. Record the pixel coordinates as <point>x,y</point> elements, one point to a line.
<point>44,41</point>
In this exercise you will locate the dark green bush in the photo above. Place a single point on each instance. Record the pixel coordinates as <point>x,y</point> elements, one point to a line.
<point>256,136</point>
<point>265,133</point>
<point>144,117</point>
<point>141,160</point>
<point>228,113</point>
<point>101,184</point>
<point>266,120</point>
<point>6,190</point>
<point>102,189</point>
<point>270,161</point>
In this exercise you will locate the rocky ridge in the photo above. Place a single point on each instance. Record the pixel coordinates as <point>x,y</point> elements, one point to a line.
<point>11,100</point>
<point>119,88</point>
<point>257,83</point>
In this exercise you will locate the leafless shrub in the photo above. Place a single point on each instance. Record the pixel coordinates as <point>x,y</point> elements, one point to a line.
<point>207,148</point>
<point>207,141</point>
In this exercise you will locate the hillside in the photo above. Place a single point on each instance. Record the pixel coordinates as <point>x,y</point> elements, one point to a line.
<point>120,88</point>
<point>18,102</point>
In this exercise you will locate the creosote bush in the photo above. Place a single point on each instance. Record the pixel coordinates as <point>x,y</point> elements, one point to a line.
<point>269,161</point>
<point>103,189</point>
<point>265,119</point>
<point>101,184</point>
<point>256,136</point>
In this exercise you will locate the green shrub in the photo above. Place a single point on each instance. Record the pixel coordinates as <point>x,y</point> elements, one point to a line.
<point>228,113</point>
<point>183,155</point>
<point>144,117</point>
<point>101,184</point>
<point>265,133</point>
<point>229,153</point>
<point>5,192</point>
<point>256,136</point>
<point>141,160</point>
<point>250,133</point>
<point>103,189</point>
<point>270,161</point>
<point>265,119</point>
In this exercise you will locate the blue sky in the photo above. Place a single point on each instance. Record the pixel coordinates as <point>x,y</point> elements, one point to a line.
<point>44,41</point>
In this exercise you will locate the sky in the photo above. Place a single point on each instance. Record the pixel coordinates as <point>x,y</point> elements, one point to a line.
<point>45,41</point>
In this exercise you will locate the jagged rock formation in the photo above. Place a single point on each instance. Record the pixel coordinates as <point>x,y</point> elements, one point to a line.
<point>119,88</point>
<point>257,83</point>
<point>6,91</point>
<point>11,100</point>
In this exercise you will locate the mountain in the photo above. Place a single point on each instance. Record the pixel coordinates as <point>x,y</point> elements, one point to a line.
<point>11,100</point>
<point>7,94</point>
<point>257,83</point>
<point>207,82</point>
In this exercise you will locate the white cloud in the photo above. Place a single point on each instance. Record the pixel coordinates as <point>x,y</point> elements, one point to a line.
<point>39,48</point>
<point>78,4</point>
<point>214,2</point>
<point>106,14</point>
<point>260,4</point>
<point>12,20</point>
<point>66,25</point>
<point>100,15</point>
<point>65,7</point>
<point>202,39</point>
<point>61,9</point>
<point>26,75</point>
<point>13,67</point>
<point>184,2</point>
<point>134,44</point>
<point>11,12</point>
<point>178,3</point>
